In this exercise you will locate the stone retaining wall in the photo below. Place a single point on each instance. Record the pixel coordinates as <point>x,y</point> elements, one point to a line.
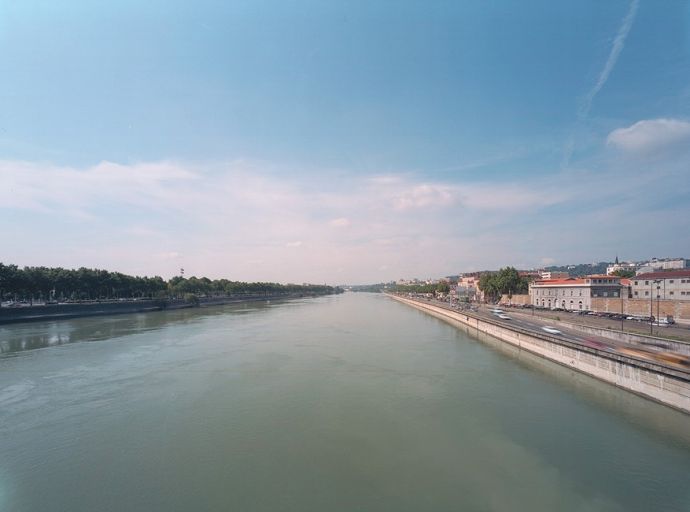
<point>652,381</point>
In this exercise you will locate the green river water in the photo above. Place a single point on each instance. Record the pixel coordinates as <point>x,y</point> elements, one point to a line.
<point>343,403</point>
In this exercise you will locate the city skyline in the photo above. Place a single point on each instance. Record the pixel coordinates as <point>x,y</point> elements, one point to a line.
<point>327,143</point>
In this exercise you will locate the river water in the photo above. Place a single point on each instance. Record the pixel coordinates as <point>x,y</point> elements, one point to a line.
<point>344,403</point>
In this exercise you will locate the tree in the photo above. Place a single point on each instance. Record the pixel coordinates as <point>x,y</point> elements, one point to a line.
<point>506,281</point>
<point>443,287</point>
<point>624,273</point>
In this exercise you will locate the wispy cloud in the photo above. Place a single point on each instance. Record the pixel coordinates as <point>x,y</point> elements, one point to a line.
<point>341,222</point>
<point>244,221</point>
<point>614,54</point>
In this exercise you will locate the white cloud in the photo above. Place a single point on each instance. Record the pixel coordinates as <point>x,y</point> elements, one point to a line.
<point>341,222</point>
<point>246,221</point>
<point>425,195</point>
<point>586,105</point>
<point>651,135</point>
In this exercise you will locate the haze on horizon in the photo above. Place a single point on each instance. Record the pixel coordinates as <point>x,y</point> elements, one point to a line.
<point>342,142</point>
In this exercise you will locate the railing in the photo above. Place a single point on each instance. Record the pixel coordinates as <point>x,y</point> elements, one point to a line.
<point>682,374</point>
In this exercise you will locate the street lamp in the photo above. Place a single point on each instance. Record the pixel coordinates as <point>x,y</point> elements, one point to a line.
<point>651,303</point>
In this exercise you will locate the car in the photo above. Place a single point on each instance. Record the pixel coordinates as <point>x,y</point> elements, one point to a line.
<point>503,316</point>
<point>551,330</point>
<point>496,311</point>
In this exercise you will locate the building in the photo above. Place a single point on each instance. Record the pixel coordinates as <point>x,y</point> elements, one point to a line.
<point>668,285</point>
<point>468,287</point>
<point>574,293</point>
<point>626,265</point>
<point>656,264</point>
<point>552,274</point>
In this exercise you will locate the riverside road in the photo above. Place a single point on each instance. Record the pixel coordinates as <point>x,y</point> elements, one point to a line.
<point>656,352</point>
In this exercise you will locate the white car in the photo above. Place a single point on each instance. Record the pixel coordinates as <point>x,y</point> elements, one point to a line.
<point>551,330</point>
<point>503,316</point>
<point>496,311</point>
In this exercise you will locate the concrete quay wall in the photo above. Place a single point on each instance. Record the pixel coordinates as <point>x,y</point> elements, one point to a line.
<point>77,310</point>
<point>60,311</point>
<point>682,347</point>
<point>652,381</point>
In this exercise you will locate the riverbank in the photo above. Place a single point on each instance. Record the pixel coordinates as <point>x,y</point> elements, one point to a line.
<point>652,381</point>
<point>107,308</point>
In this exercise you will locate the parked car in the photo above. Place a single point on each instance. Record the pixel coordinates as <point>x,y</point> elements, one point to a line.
<point>666,321</point>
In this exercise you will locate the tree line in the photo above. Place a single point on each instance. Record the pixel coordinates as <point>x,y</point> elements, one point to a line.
<point>507,281</point>
<point>442,287</point>
<point>60,284</point>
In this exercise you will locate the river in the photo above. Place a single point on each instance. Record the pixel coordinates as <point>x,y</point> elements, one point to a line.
<point>340,403</point>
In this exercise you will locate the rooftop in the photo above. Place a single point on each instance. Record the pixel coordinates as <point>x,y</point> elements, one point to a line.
<point>575,281</point>
<point>664,274</point>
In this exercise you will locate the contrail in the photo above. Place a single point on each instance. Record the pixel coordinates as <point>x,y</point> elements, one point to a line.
<point>616,49</point>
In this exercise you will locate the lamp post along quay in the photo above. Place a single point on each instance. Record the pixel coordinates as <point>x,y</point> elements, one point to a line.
<point>651,304</point>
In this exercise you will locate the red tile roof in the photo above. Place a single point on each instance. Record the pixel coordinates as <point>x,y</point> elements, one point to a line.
<point>576,280</point>
<point>556,282</point>
<point>666,274</point>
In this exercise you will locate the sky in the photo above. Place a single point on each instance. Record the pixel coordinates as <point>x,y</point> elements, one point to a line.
<point>342,142</point>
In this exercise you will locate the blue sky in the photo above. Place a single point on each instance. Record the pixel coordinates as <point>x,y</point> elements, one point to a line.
<point>342,141</point>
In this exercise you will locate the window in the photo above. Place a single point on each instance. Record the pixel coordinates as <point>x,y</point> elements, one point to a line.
<point>635,293</point>
<point>646,293</point>
<point>670,293</point>
<point>646,282</point>
<point>635,283</point>
<point>671,281</point>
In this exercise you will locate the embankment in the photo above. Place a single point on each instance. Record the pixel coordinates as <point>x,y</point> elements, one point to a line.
<point>76,310</point>
<point>659,383</point>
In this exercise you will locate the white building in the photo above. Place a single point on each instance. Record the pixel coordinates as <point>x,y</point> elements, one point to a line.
<point>670,285</point>
<point>626,265</point>
<point>552,274</point>
<point>572,293</point>
<point>663,264</point>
